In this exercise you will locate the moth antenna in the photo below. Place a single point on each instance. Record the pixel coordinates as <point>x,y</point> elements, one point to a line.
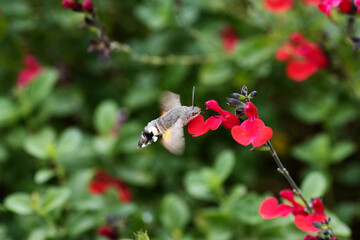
<point>193,95</point>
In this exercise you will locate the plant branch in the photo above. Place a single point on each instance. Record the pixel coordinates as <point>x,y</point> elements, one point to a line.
<point>287,176</point>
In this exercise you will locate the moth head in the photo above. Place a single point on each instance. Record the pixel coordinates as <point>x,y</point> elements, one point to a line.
<point>193,112</point>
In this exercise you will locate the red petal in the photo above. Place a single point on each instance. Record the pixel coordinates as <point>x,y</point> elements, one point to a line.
<point>300,70</point>
<point>213,105</point>
<point>284,52</point>
<point>345,6</point>
<point>278,6</point>
<point>305,223</point>
<point>318,206</point>
<point>251,111</point>
<point>197,127</point>
<point>262,136</point>
<point>229,120</point>
<point>213,123</point>
<point>270,208</point>
<point>240,134</point>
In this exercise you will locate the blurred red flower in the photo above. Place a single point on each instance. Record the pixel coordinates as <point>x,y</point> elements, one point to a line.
<point>87,5</point>
<point>270,208</point>
<point>102,181</point>
<point>311,237</point>
<point>304,57</point>
<point>109,232</point>
<point>198,127</point>
<point>69,4</point>
<point>357,3</point>
<point>252,130</point>
<point>229,39</point>
<point>278,6</point>
<point>31,69</point>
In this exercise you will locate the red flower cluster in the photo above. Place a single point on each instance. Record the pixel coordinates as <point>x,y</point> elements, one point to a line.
<point>198,127</point>
<point>87,5</point>
<point>31,69</point>
<point>281,6</point>
<point>102,181</point>
<point>270,208</point>
<point>344,6</point>
<point>109,232</point>
<point>304,57</point>
<point>252,130</point>
<point>229,39</point>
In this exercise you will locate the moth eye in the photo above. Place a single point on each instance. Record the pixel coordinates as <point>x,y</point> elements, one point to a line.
<point>194,113</point>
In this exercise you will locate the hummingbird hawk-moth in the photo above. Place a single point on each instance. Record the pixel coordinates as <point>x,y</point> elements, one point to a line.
<point>170,125</point>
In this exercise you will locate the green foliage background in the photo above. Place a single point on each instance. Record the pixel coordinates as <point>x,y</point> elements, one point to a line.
<point>57,132</point>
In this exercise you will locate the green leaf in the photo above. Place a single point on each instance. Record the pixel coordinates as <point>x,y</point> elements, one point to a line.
<point>253,52</point>
<point>8,112</point>
<point>314,185</point>
<point>55,198</point>
<point>246,210</point>
<point>70,141</point>
<point>342,150</point>
<point>224,164</point>
<point>43,175</point>
<point>216,73</point>
<point>197,187</point>
<point>80,223</point>
<point>41,144</point>
<point>236,193</point>
<point>174,213</point>
<point>19,203</point>
<point>40,88</point>
<point>105,116</point>
<point>38,234</point>
<point>315,151</point>
<point>156,14</point>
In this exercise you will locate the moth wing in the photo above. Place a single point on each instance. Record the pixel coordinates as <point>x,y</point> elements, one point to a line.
<point>173,138</point>
<point>169,100</point>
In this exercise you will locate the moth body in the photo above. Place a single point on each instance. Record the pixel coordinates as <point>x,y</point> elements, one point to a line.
<point>170,125</point>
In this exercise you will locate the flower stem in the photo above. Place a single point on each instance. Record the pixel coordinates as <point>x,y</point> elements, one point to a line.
<point>281,169</point>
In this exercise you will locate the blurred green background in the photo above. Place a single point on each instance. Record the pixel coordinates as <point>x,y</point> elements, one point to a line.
<point>58,131</point>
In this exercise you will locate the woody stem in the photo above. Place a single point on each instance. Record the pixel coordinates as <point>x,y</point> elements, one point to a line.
<point>281,169</point>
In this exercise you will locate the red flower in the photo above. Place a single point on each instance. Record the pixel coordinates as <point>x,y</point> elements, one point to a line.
<point>278,6</point>
<point>102,182</point>
<point>69,4</point>
<point>252,130</point>
<point>229,39</point>
<point>87,5</point>
<point>344,5</point>
<point>270,208</point>
<point>357,3</point>
<point>29,73</point>
<point>305,57</point>
<point>198,127</point>
<point>108,232</point>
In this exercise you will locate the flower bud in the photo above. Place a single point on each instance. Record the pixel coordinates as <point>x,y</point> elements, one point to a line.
<point>317,225</point>
<point>239,111</point>
<point>232,102</point>
<point>235,95</point>
<point>253,94</point>
<point>244,90</point>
